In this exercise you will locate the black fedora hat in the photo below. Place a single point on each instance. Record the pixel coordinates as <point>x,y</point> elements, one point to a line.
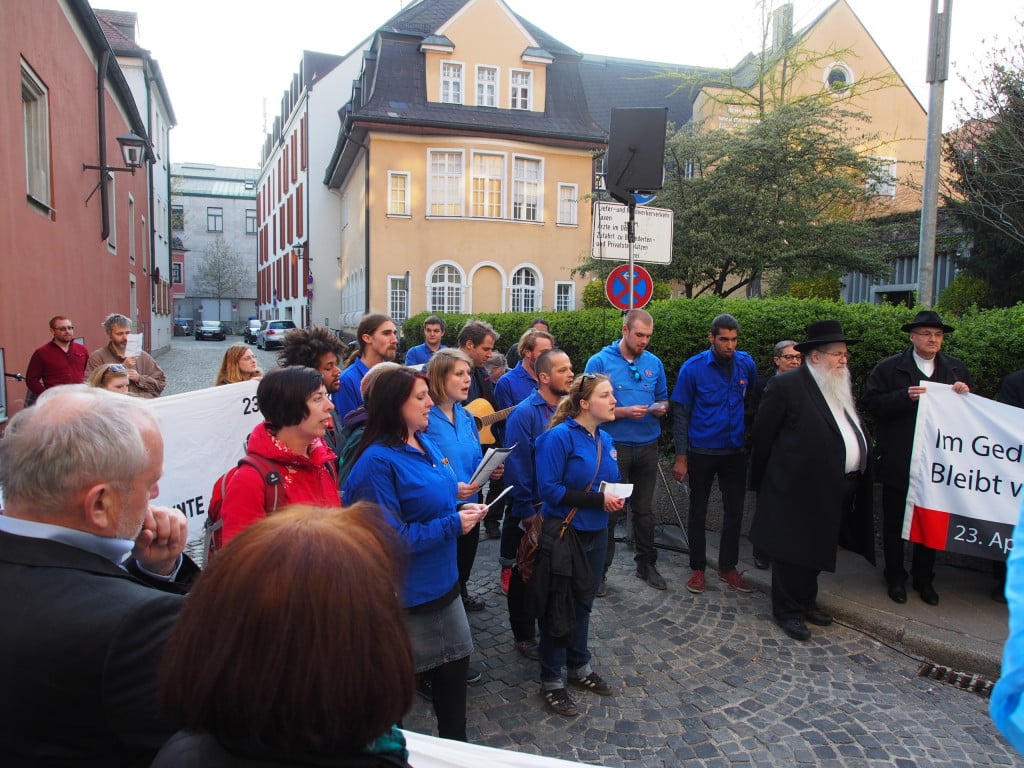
<point>928,318</point>
<point>823,332</point>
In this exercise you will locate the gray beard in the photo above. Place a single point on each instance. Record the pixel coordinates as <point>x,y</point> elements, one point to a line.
<point>835,386</point>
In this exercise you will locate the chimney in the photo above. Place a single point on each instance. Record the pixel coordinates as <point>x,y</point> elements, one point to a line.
<point>782,27</point>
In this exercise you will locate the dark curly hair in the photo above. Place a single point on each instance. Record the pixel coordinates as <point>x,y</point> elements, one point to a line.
<point>305,346</point>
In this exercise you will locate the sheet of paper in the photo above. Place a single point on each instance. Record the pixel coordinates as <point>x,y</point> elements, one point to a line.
<point>134,346</point>
<point>493,458</point>
<point>622,490</point>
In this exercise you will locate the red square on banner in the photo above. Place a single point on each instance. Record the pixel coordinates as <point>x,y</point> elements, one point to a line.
<point>929,527</point>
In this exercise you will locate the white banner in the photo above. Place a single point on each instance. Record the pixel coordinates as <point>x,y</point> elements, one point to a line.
<point>432,752</point>
<point>966,474</point>
<point>204,436</point>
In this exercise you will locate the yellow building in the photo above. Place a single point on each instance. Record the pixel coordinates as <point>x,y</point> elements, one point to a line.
<point>463,173</point>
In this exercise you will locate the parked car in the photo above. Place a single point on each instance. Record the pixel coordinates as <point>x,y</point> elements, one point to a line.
<point>273,332</point>
<point>182,326</point>
<point>252,330</point>
<point>211,329</point>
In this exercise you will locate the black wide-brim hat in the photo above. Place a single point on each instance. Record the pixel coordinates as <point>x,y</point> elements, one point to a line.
<point>927,318</point>
<point>823,332</point>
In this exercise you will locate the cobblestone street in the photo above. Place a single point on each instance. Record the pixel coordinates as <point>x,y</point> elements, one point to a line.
<point>702,680</point>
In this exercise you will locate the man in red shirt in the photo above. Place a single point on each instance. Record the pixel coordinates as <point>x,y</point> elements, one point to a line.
<point>59,361</point>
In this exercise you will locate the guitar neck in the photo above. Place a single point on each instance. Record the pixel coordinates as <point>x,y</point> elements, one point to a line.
<point>486,421</point>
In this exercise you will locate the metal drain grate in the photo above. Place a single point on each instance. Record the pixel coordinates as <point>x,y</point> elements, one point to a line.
<point>963,680</point>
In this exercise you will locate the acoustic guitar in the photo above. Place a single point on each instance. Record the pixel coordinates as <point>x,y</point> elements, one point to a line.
<point>484,415</point>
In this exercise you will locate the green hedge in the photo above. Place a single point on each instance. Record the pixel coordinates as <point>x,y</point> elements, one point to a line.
<point>990,342</point>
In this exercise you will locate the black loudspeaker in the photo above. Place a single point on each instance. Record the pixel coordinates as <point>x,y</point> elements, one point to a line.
<point>636,152</point>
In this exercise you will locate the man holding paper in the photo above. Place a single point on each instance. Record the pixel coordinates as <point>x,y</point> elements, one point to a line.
<point>893,392</point>
<point>145,377</point>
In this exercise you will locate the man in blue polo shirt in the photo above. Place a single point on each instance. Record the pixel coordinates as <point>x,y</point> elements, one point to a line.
<point>433,332</point>
<point>638,378</point>
<point>517,385</point>
<point>708,402</point>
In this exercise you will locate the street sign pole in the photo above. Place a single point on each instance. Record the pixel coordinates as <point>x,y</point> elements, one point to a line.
<point>631,239</point>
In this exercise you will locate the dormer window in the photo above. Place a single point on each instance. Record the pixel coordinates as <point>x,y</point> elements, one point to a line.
<point>486,86</point>
<point>522,82</point>
<point>451,82</point>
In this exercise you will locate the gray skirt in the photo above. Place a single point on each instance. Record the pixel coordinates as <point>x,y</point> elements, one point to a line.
<point>440,636</point>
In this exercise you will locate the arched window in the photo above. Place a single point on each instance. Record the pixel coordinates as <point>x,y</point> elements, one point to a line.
<point>446,290</point>
<point>524,291</point>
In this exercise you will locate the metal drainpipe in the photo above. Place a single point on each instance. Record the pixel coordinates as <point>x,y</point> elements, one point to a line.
<point>101,112</point>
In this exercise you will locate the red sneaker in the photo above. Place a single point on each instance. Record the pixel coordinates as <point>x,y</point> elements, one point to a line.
<point>506,577</point>
<point>735,581</point>
<point>696,582</point>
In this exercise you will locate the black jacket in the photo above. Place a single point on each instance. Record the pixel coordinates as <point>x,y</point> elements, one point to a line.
<point>203,750</point>
<point>561,578</point>
<point>797,468</point>
<point>886,399</point>
<point>79,651</point>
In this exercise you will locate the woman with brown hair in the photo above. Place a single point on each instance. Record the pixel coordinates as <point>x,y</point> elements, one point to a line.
<point>239,364</point>
<point>112,377</point>
<point>292,648</point>
<point>574,457</point>
<point>400,469</point>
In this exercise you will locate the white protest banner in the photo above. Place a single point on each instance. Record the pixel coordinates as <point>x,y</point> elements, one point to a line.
<point>966,474</point>
<point>204,436</point>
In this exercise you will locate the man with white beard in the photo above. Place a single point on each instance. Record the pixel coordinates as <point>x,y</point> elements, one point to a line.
<point>810,467</point>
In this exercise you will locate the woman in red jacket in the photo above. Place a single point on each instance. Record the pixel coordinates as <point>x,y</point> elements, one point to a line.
<point>297,410</point>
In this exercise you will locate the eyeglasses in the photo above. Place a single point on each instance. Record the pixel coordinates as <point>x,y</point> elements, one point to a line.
<point>116,368</point>
<point>634,371</point>
<point>248,357</point>
<point>837,355</point>
<point>588,376</point>
<point>64,328</point>
<point>930,334</point>
<point>794,356</point>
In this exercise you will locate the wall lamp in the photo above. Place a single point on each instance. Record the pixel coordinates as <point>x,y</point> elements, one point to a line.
<point>133,150</point>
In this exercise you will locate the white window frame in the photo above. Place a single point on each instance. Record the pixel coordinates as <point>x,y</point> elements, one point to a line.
<point>886,169</point>
<point>487,169</point>
<point>453,82</point>
<point>568,205</point>
<point>35,109</point>
<point>565,296</point>
<point>111,182</point>
<point>445,296</point>
<point>487,79</point>
<point>523,295</point>
<point>398,193</point>
<point>398,300</point>
<point>131,228</point>
<point>250,217</point>
<point>446,186</point>
<point>177,217</point>
<point>520,89</point>
<point>527,192</point>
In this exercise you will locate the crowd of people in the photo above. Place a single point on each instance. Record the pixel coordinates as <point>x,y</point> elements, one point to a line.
<point>375,516</point>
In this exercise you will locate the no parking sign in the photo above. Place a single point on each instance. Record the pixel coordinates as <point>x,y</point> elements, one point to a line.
<point>618,289</point>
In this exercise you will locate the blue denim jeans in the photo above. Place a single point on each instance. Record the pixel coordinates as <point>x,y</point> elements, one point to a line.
<point>553,658</point>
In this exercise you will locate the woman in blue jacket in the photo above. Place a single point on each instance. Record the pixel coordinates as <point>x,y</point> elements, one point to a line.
<point>573,458</point>
<point>398,467</point>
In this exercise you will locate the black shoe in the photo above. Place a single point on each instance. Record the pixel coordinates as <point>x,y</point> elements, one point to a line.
<point>761,563</point>
<point>473,675</point>
<point>492,529</point>
<point>928,593</point>
<point>649,573</point>
<point>425,687</point>
<point>897,593</point>
<point>592,682</point>
<point>818,618</point>
<point>560,702</point>
<point>473,604</point>
<point>795,628</point>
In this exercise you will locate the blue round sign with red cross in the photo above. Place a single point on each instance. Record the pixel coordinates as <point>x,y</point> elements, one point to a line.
<point>617,287</point>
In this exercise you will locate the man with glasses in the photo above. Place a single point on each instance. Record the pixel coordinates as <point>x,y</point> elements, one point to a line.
<point>641,389</point>
<point>893,391</point>
<point>709,430</point>
<point>786,358</point>
<point>60,361</point>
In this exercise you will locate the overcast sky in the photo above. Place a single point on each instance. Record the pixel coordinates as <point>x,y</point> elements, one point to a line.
<point>223,60</point>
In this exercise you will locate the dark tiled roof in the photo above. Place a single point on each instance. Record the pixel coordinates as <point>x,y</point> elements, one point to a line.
<point>316,64</point>
<point>626,83</point>
<point>119,29</point>
<point>394,70</point>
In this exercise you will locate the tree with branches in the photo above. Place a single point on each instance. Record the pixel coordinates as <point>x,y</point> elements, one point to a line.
<point>221,273</point>
<point>986,186</point>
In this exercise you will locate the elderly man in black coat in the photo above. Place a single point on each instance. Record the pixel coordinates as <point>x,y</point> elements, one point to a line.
<point>893,391</point>
<point>810,467</point>
<point>91,578</point>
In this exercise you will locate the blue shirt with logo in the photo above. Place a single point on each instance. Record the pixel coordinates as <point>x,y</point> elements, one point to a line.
<point>642,383</point>
<point>715,399</point>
